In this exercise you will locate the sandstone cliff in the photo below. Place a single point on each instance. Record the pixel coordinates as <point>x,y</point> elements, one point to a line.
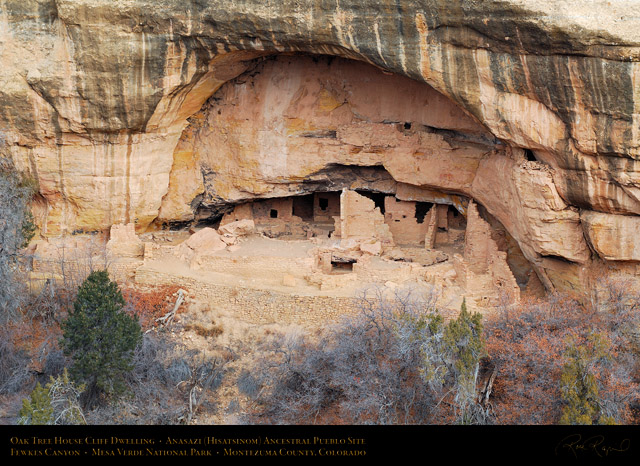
<point>531,108</point>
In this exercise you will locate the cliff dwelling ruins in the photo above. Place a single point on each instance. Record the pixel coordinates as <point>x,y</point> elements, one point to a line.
<point>261,170</point>
<point>321,176</point>
<point>187,116</point>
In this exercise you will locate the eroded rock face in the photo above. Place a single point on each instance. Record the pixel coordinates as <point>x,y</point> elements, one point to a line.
<point>294,118</point>
<point>95,99</point>
<point>613,237</point>
<point>293,124</point>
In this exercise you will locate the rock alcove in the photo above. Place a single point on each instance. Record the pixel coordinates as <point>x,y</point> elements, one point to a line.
<point>103,106</point>
<point>292,132</point>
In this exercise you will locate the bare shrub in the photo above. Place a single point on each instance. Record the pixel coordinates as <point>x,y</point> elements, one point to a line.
<point>28,350</point>
<point>528,343</point>
<point>65,400</point>
<point>150,303</point>
<point>68,267</point>
<point>58,403</point>
<point>16,229</point>
<point>383,366</point>
<point>169,384</point>
<point>205,376</point>
<point>248,384</point>
<point>54,360</point>
<point>15,373</point>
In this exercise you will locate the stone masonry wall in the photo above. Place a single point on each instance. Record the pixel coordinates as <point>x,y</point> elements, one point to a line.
<point>361,219</point>
<point>258,306</point>
<point>402,221</point>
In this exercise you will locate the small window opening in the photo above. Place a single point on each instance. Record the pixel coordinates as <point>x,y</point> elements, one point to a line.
<point>323,203</point>
<point>422,208</point>
<point>341,267</point>
<point>376,197</point>
<point>407,125</point>
<point>273,213</point>
<point>528,153</point>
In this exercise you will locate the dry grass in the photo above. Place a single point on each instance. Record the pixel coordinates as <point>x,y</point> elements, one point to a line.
<point>210,331</point>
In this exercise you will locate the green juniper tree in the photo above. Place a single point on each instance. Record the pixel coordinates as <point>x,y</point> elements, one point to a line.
<point>579,384</point>
<point>100,337</point>
<point>464,344</point>
<point>54,404</point>
<point>37,410</point>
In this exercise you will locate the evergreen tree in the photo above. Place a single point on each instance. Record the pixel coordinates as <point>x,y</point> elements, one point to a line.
<point>580,386</point>
<point>100,337</point>
<point>465,346</point>
<point>37,410</point>
<point>55,403</point>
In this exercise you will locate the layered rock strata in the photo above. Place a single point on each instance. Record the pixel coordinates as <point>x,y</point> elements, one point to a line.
<point>96,97</point>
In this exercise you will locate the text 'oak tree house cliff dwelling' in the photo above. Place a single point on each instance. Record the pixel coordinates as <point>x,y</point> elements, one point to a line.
<point>173,115</point>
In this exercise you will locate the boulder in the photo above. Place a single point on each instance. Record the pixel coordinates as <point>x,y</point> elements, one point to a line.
<point>207,240</point>
<point>238,228</point>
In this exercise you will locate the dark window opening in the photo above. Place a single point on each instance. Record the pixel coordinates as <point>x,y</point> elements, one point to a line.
<point>422,208</point>
<point>323,203</point>
<point>377,198</point>
<point>302,207</point>
<point>528,153</point>
<point>339,266</point>
<point>273,213</point>
<point>407,125</point>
